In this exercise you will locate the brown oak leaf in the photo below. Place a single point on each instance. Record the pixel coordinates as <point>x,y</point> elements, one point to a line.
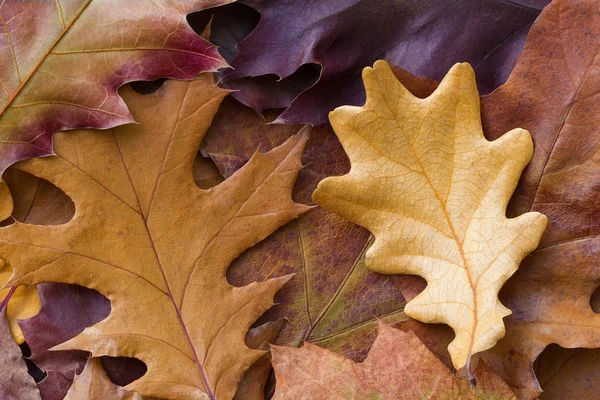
<point>156,245</point>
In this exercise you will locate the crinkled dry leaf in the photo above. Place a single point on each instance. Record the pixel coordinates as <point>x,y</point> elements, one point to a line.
<point>15,382</point>
<point>158,245</point>
<point>434,191</point>
<point>398,367</point>
<point>63,60</point>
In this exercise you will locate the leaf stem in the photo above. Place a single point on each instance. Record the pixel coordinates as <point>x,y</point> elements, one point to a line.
<point>7,298</point>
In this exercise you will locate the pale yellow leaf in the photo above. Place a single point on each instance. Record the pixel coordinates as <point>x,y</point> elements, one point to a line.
<point>433,191</point>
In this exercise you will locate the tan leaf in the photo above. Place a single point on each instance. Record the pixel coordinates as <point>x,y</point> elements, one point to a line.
<point>145,236</point>
<point>94,383</point>
<point>399,366</point>
<point>433,191</point>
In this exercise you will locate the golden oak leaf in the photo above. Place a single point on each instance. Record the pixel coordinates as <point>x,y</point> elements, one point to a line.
<point>398,366</point>
<point>433,191</point>
<point>145,236</point>
<point>94,383</point>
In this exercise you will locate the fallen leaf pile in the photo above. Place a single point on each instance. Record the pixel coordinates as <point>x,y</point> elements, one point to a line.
<point>430,233</point>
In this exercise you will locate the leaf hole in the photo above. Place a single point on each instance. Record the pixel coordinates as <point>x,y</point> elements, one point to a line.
<point>206,173</point>
<point>37,201</point>
<point>123,370</point>
<point>595,301</point>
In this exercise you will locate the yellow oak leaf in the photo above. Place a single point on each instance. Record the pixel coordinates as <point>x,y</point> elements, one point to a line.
<point>24,301</point>
<point>154,243</point>
<point>433,191</point>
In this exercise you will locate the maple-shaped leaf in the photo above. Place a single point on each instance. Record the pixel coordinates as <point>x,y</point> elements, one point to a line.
<point>332,300</point>
<point>424,37</point>
<point>145,236</point>
<point>15,382</point>
<point>433,191</point>
<point>398,366</point>
<point>558,102</point>
<point>94,383</point>
<point>63,60</point>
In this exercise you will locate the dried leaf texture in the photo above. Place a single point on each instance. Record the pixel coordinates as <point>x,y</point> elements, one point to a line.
<point>559,104</point>
<point>399,366</point>
<point>433,191</point>
<point>64,74</point>
<point>145,236</point>
<point>93,383</point>
<point>15,382</point>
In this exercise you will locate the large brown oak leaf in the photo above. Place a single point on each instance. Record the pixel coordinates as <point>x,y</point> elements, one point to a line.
<point>145,236</point>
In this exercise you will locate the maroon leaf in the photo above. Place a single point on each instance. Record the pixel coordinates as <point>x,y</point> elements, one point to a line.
<point>63,61</point>
<point>425,37</point>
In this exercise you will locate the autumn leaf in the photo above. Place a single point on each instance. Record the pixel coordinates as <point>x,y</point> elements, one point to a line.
<point>15,382</point>
<point>93,383</point>
<point>433,191</point>
<point>424,37</point>
<point>66,310</point>
<point>559,105</point>
<point>398,366</point>
<point>332,300</point>
<point>145,236</point>
<point>64,74</point>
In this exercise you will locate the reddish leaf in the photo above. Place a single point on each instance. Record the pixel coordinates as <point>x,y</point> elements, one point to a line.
<point>558,103</point>
<point>332,300</point>
<point>64,74</point>
<point>398,366</point>
<point>424,37</point>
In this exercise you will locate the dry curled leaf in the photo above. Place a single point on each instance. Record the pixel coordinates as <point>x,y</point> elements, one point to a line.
<point>157,244</point>
<point>398,366</point>
<point>61,66</point>
<point>433,191</point>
